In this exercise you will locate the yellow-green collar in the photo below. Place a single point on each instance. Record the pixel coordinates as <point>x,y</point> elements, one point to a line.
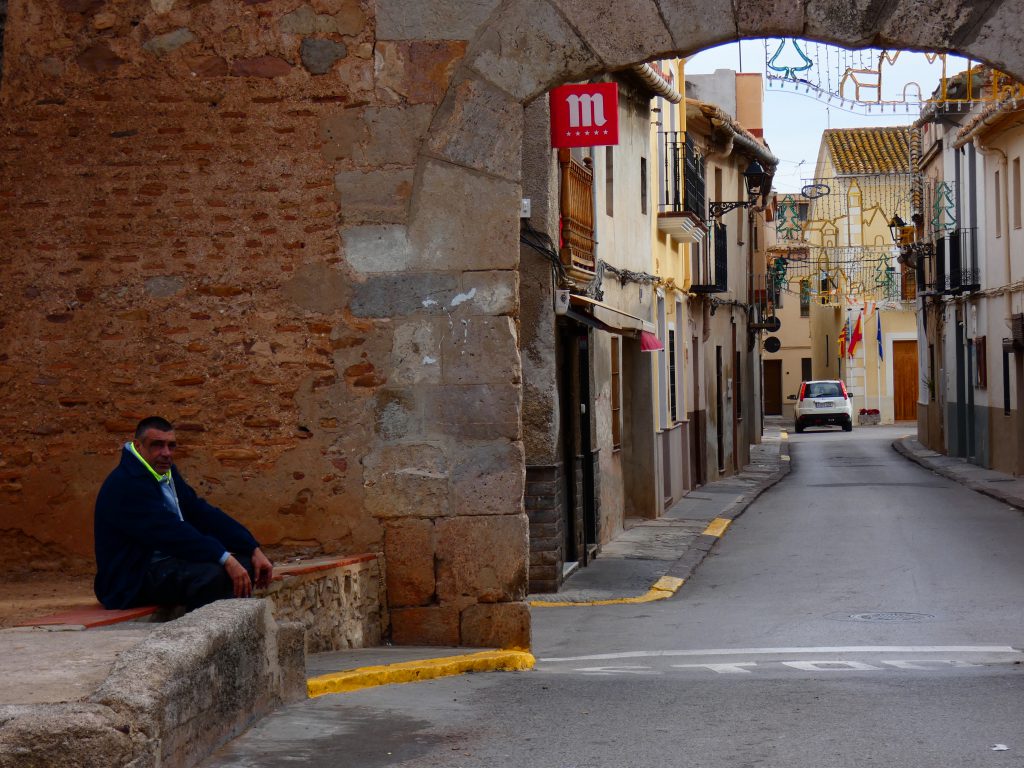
<point>159,478</point>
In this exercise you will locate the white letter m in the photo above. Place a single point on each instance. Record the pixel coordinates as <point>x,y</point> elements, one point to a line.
<point>591,105</point>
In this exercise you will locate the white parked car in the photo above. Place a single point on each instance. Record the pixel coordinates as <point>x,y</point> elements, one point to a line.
<point>821,403</point>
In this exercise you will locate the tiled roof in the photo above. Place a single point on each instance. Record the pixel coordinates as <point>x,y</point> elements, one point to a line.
<point>869,150</point>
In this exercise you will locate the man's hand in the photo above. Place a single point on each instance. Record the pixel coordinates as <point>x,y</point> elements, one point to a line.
<point>239,577</point>
<point>263,567</point>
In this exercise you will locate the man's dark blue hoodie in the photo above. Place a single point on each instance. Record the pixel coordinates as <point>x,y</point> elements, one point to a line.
<point>133,520</point>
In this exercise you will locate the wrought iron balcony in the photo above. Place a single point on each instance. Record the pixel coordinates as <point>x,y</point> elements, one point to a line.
<point>711,264</point>
<point>681,204</point>
<point>954,268</point>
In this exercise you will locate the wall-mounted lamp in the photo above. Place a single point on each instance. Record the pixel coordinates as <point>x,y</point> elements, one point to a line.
<point>756,179</point>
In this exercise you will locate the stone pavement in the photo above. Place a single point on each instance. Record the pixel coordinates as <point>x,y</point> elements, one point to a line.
<point>999,485</point>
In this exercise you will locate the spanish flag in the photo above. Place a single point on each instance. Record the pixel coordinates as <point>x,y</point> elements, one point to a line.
<point>843,333</point>
<point>855,337</point>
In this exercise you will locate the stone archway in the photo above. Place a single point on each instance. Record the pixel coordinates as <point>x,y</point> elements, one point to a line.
<point>469,163</point>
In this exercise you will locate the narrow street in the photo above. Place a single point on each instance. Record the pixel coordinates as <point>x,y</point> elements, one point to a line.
<point>863,611</point>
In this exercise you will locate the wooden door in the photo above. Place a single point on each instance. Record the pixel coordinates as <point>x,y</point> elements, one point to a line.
<point>904,378</point>
<point>773,387</point>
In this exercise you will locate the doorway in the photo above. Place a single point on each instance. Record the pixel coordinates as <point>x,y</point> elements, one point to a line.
<point>773,387</point>
<point>904,378</point>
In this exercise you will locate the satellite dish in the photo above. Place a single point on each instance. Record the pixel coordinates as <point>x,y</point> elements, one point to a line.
<point>772,344</point>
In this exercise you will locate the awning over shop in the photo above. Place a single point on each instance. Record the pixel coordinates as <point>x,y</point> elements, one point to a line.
<point>625,323</point>
<point>649,342</point>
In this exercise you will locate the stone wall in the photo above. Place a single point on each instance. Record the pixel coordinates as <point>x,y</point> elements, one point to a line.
<point>339,606</point>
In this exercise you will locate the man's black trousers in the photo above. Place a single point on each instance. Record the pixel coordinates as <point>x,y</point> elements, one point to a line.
<point>172,581</point>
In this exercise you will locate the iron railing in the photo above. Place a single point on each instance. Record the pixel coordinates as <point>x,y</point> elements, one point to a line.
<point>714,266</point>
<point>955,264</point>
<point>682,182</point>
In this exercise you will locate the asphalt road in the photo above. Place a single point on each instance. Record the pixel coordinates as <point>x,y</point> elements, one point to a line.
<point>863,612</point>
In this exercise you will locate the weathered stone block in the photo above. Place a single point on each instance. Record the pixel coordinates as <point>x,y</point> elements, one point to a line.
<point>417,72</point>
<point>371,248</point>
<point>318,56</point>
<point>304,20</point>
<point>491,140</point>
<point>404,480</point>
<point>431,19</point>
<point>162,286</point>
<point>615,39</point>
<point>404,294</point>
<point>426,625</point>
<point>487,479</point>
<point>479,411</point>
<point>396,414</point>
<point>161,45</point>
<point>486,239</point>
<point>317,287</point>
<point>482,558</point>
<point>494,292</point>
<point>416,351</point>
<point>778,19</point>
<point>409,551</point>
<point>376,136</point>
<point>530,48</point>
<point>261,66</point>
<point>375,196</point>
<point>497,625</point>
<point>699,24</point>
<point>481,350</point>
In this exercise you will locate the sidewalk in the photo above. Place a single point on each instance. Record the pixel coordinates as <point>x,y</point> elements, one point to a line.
<point>998,485</point>
<point>674,545</point>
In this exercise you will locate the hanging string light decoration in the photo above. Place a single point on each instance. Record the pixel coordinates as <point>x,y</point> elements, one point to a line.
<point>869,80</point>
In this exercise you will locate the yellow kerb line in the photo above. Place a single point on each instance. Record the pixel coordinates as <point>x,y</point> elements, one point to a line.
<point>663,588</point>
<point>717,527</point>
<point>415,671</point>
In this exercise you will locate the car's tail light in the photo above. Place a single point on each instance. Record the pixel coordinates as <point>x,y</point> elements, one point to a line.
<point>845,395</point>
<point>803,389</point>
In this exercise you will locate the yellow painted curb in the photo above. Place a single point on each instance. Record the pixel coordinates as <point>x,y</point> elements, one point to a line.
<point>414,671</point>
<point>785,435</point>
<point>717,527</point>
<point>663,588</point>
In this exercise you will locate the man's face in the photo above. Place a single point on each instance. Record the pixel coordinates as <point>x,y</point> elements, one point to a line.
<point>157,448</point>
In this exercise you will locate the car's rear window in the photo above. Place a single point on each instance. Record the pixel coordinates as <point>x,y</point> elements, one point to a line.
<point>824,389</point>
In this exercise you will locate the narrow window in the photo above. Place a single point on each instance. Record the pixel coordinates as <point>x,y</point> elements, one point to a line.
<point>718,185</point>
<point>805,369</point>
<point>672,404</point>
<point>1006,383</point>
<point>828,353</point>
<point>1016,192</point>
<point>999,207</point>
<point>616,395</point>
<point>738,379</point>
<point>609,179</point>
<point>931,373</point>
<point>643,185</point>
<point>981,373</point>
<point>805,297</point>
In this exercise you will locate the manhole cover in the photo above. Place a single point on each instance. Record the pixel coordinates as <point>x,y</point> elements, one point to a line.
<point>890,616</point>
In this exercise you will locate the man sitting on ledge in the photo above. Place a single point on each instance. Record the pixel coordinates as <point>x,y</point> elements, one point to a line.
<point>158,542</point>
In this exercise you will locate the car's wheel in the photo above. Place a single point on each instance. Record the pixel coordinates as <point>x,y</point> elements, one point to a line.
<point>799,427</point>
<point>848,426</point>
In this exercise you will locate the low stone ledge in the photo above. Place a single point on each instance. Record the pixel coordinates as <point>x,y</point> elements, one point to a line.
<point>341,602</point>
<point>169,701</point>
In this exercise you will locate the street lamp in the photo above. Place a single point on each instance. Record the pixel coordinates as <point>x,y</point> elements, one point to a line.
<point>756,180</point>
<point>896,225</point>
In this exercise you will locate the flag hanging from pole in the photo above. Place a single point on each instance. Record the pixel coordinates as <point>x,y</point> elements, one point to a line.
<point>878,335</point>
<point>841,341</point>
<point>855,337</point>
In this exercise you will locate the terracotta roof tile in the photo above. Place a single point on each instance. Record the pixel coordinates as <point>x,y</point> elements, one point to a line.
<point>869,150</point>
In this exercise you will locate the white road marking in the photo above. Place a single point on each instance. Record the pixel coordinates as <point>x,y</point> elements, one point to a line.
<point>929,663</point>
<point>831,666</point>
<point>723,669</point>
<point>789,651</point>
<point>631,669</point>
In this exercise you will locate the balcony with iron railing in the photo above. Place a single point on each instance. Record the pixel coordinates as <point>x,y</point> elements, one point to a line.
<point>711,263</point>
<point>577,216</point>
<point>951,266</point>
<point>681,205</point>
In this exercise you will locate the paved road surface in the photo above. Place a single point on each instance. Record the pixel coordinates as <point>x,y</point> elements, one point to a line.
<point>862,612</point>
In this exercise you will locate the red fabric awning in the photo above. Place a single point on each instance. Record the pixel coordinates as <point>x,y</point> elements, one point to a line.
<point>649,342</point>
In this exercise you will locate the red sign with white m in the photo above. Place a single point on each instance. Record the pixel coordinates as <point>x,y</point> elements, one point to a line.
<point>585,115</point>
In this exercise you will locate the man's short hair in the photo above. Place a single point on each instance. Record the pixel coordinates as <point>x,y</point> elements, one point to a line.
<point>152,422</point>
